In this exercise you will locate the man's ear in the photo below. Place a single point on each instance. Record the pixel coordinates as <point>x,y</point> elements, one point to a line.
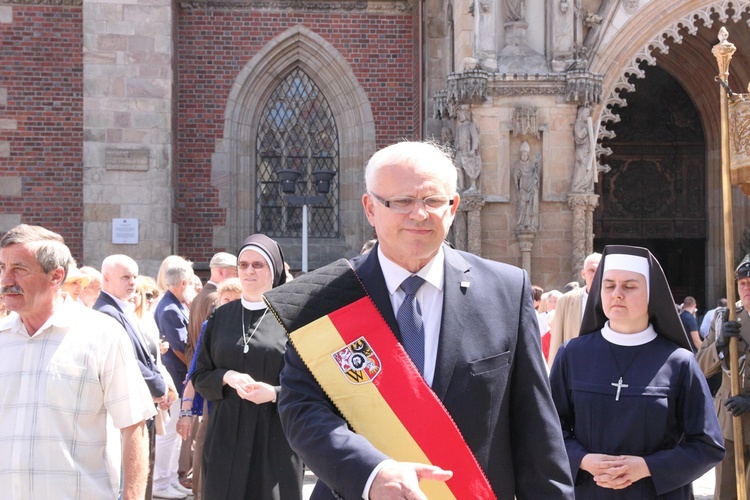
<point>57,276</point>
<point>369,203</point>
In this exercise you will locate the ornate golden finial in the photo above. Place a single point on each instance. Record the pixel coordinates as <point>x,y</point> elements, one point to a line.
<point>723,52</point>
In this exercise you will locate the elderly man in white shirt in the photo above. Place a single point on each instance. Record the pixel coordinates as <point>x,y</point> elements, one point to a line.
<point>68,380</point>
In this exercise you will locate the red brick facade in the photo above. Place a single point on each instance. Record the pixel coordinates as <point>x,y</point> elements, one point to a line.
<point>42,73</point>
<point>214,46</point>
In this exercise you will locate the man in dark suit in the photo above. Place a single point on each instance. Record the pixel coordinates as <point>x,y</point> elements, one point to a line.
<point>118,287</point>
<point>478,349</point>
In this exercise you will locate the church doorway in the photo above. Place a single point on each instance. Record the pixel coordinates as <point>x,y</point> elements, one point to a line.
<point>655,194</point>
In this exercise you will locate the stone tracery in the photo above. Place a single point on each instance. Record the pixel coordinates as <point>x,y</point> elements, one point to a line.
<point>689,23</point>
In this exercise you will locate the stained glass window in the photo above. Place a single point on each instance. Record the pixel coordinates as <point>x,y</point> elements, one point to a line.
<point>296,132</point>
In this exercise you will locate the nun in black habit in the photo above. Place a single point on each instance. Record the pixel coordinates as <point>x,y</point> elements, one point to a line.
<point>246,455</point>
<point>635,409</point>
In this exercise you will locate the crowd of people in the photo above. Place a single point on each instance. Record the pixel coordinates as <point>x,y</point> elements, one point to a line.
<point>411,371</point>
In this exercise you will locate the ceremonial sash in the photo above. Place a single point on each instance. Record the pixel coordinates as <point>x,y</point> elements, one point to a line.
<point>369,377</point>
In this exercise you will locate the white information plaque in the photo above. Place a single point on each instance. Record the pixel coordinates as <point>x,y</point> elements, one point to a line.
<point>125,231</point>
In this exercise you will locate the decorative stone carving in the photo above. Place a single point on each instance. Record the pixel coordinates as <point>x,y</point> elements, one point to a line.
<point>526,180</point>
<point>585,170</point>
<point>630,6</point>
<point>446,138</point>
<point>470,64</point>
<point>441,109</point>
<point>704,16</point>
<point>526,243</point>
<point>469,86</point>
<point>583,206</point>
<point>583,87</point>
<point>515,10</point>
<point>468,159</point>
<point>517,56</point>
<point>524,121</point>
<point>739,141</point>
<point>471,205</point>
<point>463,88</point>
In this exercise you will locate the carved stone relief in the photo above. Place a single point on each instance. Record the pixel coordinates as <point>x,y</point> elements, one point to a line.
<point>468,160</point>
<point>526,174</point>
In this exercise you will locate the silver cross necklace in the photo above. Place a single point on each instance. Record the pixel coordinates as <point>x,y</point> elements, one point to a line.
<point>620,386</point>
<point>245,338</point>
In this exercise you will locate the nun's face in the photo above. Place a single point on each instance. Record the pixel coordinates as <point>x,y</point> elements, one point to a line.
<point>625,300</point>
<point>255,275</point>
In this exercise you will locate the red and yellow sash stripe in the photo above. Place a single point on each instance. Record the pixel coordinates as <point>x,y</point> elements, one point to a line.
<point>404,420</point>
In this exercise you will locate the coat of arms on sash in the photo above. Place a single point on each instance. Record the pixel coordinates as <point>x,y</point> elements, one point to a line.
<point>358,362</point>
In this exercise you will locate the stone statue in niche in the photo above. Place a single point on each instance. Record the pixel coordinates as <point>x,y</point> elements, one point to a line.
<point>526,179</point>
<point>585,170</point>
<point>467,149</point>
<point>449,145</point>
<point>515,10</point>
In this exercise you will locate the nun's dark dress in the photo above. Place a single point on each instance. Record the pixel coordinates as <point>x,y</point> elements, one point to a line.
<point>641,394</point>
<point>246,455</point>
<point>661,415</point>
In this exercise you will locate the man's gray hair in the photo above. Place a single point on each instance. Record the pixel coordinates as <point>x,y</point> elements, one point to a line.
<point>594,257</point>
<point>177,269</point>
<point>49,247</point>
<point>412,152</point>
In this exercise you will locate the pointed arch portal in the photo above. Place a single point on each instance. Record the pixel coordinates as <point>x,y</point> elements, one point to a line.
<point>343,140</point>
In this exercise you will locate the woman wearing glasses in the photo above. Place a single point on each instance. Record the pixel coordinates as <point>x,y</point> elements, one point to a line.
<point>246,454</point>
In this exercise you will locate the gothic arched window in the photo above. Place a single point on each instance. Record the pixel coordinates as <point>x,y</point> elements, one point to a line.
<point>297,132</point>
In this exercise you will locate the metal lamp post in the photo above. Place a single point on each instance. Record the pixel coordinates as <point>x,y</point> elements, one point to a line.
<point>288,180</point>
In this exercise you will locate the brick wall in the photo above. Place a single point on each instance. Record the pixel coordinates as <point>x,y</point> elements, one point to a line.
<point>214,46</point>
<point>42,119</point>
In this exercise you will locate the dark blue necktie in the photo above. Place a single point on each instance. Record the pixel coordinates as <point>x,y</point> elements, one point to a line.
<point>410,322</point>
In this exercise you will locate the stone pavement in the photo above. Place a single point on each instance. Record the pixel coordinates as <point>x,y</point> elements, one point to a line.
<point>703,488</point>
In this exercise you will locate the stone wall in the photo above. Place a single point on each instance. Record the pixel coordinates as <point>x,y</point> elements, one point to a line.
<point>129,89</point>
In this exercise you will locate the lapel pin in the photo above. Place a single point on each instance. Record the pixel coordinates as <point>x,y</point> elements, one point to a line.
<point>465,284</point>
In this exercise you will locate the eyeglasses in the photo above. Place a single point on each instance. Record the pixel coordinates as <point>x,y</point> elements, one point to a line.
<point>405,204</point>
<point>257,265</point>
<point>151,296</point>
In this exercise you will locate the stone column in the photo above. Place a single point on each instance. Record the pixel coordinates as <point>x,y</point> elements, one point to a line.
<point>128,55</point>
<point>583,206</point>
<point>589,216</point>
<point>485,34</point>
<point>472,203</point>
<point>526,242</point>
<point>459,227</point>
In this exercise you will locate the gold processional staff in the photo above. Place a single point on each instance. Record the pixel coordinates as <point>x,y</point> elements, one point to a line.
<point>735,169</point>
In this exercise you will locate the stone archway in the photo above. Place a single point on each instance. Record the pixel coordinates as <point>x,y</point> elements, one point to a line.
<point>233,161</point>
<point>677,36</point>
<point>654,195</point>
